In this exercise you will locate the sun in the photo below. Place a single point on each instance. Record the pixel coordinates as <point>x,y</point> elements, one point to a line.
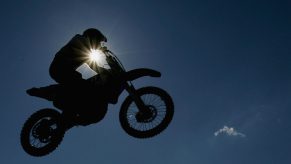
<point>95,55</point>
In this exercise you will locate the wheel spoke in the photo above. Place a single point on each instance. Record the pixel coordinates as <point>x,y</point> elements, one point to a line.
<point>155,100</point>
<point>159,110</point>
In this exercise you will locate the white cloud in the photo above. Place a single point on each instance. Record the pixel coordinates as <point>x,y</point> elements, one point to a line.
<point>229,131</point>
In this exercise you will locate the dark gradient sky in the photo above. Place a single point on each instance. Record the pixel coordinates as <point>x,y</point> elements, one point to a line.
<point>225,63</point>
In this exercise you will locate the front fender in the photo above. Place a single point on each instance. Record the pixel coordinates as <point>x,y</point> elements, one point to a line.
<point>137,73</point>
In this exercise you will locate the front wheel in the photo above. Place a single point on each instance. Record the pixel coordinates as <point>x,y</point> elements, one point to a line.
<point>42,132</point>
<point>161,111</point>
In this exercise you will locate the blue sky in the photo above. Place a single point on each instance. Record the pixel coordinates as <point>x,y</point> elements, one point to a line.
<point>225,63</point>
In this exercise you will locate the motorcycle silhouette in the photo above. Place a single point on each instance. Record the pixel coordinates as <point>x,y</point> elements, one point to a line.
<point>145,112</point>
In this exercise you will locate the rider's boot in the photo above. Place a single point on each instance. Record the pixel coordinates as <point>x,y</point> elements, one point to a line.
<point>43,92</point>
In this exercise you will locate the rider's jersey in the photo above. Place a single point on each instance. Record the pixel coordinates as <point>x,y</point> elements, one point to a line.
<point>69,58</point>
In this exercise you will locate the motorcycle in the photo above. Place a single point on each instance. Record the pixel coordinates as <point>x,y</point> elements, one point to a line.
<point>145,112</point>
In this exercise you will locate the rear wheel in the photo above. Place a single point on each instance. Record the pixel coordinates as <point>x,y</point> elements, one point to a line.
<point>144,125</point>
<point>42,133</point>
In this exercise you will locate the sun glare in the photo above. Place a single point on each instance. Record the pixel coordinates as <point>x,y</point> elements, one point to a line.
<point>98,58</point>
<point>95,55</point>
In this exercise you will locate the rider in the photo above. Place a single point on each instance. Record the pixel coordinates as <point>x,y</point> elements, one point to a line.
<point>77,94</point>
<point>63,68</point>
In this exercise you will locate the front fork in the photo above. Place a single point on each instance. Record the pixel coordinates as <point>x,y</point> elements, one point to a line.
<point>136,98</point>
<point>144,112</point>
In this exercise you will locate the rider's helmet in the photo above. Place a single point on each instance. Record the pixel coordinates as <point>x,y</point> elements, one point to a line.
<point>94,34</point>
